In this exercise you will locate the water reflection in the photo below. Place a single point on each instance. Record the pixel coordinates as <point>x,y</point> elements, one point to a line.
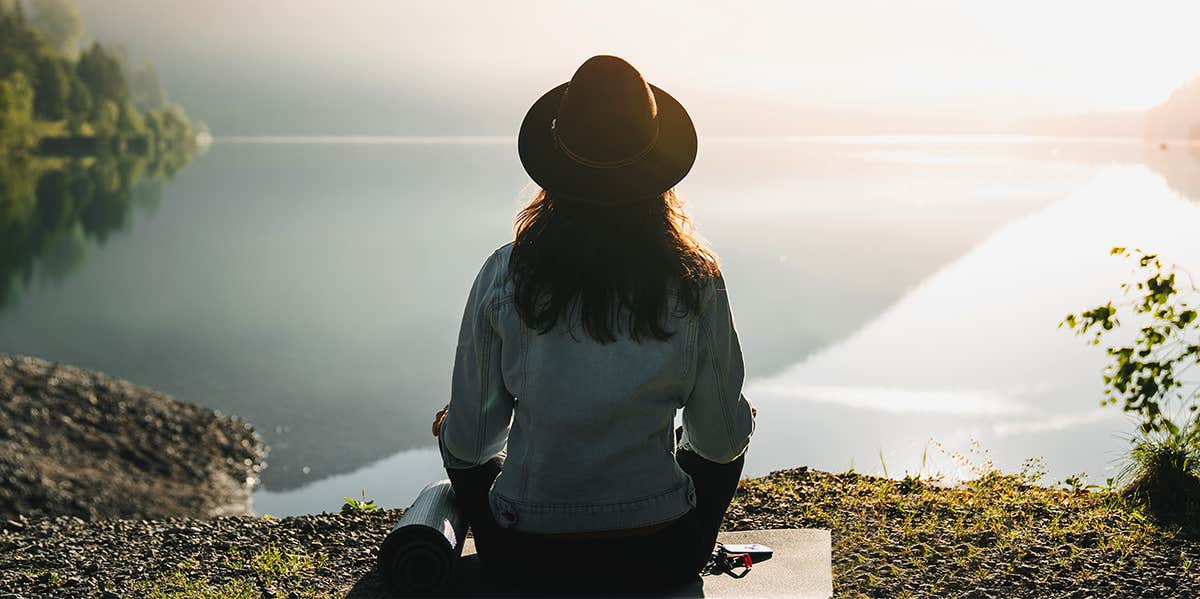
<point>886,292</point>
<point>54,209</point>
<point>1179,165</point>
<point>976,347</point>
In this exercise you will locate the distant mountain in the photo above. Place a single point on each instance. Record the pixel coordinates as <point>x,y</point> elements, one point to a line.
<point>1179,116</point>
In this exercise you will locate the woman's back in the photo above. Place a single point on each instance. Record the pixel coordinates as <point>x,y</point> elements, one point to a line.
<point>583,338</point>
<point>592,441</point>
<point>591,410</point>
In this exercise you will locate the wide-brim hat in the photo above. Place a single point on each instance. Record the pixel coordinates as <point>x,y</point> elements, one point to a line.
<point>607,136</point>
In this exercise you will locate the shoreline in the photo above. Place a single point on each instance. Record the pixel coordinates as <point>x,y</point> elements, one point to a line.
<point>81,443</point>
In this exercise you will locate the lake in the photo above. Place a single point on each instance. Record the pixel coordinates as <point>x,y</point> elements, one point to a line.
<point>897,298</point>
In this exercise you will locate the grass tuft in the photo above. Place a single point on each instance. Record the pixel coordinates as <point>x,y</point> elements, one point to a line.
<point>1163,474</point>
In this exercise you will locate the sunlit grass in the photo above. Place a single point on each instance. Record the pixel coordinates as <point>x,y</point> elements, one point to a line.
<point>268,567</point>
<point>892,535</point>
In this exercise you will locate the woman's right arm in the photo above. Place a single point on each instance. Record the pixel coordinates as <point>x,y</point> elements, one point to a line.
<point>717,419</point>
<point>475,426</point>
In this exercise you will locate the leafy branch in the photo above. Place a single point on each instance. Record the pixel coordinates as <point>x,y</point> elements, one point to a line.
<point>1146,375</point>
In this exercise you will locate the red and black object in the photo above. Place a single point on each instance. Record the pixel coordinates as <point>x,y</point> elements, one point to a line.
<point>737,560</point>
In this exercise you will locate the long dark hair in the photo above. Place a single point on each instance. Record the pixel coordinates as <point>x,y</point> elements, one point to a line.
<point>613,260</point>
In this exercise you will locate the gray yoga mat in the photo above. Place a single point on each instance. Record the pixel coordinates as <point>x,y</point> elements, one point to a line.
<point>419,556</point>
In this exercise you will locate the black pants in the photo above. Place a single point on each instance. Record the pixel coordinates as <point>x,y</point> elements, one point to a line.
<point>668,557</point>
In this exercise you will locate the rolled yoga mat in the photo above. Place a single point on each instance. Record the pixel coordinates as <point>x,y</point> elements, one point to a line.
<point>418,557</point>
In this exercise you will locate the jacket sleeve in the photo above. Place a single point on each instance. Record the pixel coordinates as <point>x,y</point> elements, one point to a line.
<point>717,423</point>
<point>476,426</point>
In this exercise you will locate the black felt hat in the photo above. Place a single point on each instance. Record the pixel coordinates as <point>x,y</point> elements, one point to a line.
<point>607,137</point>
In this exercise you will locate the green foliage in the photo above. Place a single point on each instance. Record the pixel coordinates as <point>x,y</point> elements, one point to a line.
<point>103,75</point>
<point>271,563</point>
<point>357,505</point>
<point>53,89</point>
<point>267,568</point>
<point>1145,376</point>
<point>79,106</point>
<point>1164,474</point>
<point>19,44</point>
<point>105,119</point>
<point>104,109</point>
<point>1077,483</point>
<point>17,132</point>
<point>129,121</point>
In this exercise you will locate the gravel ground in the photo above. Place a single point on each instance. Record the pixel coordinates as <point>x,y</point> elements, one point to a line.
<point>996,538</point>
<point>325,555</point>
<point>81,443</point>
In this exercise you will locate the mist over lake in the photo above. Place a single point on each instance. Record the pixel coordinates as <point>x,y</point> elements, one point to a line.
<point>887,291</point>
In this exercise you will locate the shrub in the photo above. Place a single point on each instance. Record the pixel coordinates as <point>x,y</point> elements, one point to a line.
<point>1147,378</point>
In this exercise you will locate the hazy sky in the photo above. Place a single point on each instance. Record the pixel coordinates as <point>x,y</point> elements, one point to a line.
<point>396,67</point>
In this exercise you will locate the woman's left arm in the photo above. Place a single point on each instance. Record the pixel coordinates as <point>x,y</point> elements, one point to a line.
<point>475,428</point>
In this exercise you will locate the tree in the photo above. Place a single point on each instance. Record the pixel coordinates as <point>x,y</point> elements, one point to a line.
<point>52,89</point>
<point>129,122</point>
<point>105,119</point>
<point>17,134</point>
<point>19,44</point>
<point>103,75</point>
<point>79,106</point>
<point>60,22</point>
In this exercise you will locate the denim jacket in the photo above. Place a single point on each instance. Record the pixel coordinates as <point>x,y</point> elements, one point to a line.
<point>589,427</point>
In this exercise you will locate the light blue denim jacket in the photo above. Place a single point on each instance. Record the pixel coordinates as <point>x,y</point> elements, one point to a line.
<point>589,427</point>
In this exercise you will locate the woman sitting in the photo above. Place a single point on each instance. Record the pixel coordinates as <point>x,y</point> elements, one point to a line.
<point>580,342</point>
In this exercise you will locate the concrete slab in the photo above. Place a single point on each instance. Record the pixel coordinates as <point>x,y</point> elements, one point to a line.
<point>800,567</point>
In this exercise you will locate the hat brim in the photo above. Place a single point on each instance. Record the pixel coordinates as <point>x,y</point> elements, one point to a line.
<point>665,165</point>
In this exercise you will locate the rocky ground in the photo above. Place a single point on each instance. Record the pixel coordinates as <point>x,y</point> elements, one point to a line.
<point>81,443</point>
<point>997,537</point>
<point>326,555</point>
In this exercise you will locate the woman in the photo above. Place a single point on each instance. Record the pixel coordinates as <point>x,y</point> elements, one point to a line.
<point>580,342</point>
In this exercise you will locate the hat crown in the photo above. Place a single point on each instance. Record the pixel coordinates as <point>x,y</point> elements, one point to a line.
<point>608,113</point>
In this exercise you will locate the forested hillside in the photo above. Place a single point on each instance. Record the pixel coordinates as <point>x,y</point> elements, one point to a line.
<point>56,98</point>
<point>84,140</point>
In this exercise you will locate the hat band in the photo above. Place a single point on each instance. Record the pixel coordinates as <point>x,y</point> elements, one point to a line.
<point>585,161</point>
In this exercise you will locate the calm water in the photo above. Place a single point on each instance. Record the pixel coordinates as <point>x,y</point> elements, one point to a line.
<point>888,292</point>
